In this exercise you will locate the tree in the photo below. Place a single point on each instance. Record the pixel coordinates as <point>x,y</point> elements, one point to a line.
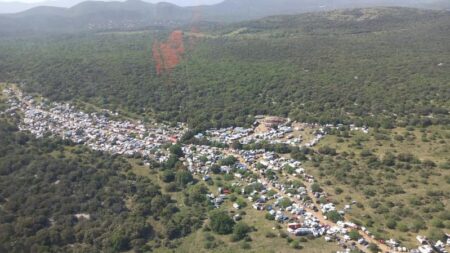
<point>241,202</point>
<point>183,177</point>
<point>240,230</point>
<point>171,162</point>
<point>119,241</point>
<point>334,216</point>
<point>285,202</point>
<point>167,176</point>
<point>196,194</point>
<point>215,169</point>
<point>326,150</point>
<point>391,223</point>
<point>373,248</point>
<point>389,159</point>
<point>236,145</point>
<point>316,188</point>
<point>176,150</point>
<point>354,235</point>
<point>221,222</point>
<point>228,161</point>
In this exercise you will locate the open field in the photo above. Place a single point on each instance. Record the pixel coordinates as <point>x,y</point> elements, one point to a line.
<point>260,243</point>
<point>399,178</point>
<point>197,241</point>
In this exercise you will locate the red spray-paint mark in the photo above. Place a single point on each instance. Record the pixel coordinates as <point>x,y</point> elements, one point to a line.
<point>168,55</point>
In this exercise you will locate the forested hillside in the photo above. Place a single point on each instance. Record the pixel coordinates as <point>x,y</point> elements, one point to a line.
<point>382,66</point>
<point>56,197</point>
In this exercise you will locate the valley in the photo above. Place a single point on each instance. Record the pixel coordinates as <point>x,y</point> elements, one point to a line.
<point>251,183</point>
<point>281,126</point>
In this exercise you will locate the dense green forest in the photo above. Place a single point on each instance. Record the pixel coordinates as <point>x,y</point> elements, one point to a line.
<point>56,197</point>
<point>368,66</point>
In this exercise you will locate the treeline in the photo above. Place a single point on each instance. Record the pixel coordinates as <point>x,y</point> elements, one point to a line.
<point>55,200</point>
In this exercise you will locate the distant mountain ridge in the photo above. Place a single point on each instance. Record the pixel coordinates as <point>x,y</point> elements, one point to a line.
<point>17,6</point>
<point>137,14</point>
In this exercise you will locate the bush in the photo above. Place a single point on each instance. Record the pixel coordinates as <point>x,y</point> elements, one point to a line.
<point>327,151</point>
<point>303,239</point>
<point>168,176</point>
<point>228,177</point>
<point>240,230</point>
<point>354,235</point>
<point>215,169</point>
<point>269,216</point>
<point>366,153</point>
<point>417,225</point>
<point>183,177</point>
<point>402,227</point>
<point>270,235</point>
<point>171,187</point>
<point>334,216</point>
<point>391,223</point>
<point>316,188</point>
<point>228,161</point>
<point>405,157</point>
<point>436,234</point>
<point>429,164</point>
<point>245,245</point>
<point>241,203</point>
<point>295,244</point>
<point>438,223</point>
<point>338,190</point>
<point>209,237</point>
<point>373,248</point>
<point>176,150</point>
<point>221,222</point>
<point>285,202</point>
<point>283,234</point>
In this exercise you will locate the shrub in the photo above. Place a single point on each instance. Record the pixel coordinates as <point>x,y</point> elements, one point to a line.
<point>391,223</point>
<point>269,216</point>
<point>171,187</point>
<point>245,245</point>
<point>327,151</point>
<point>295,244</point>
<point>334,216</point>
<point>240,230</point>
<point>436,234</point>
<point>270,235</point>
<point>285,202</point>
<point>183,177</point>
<point>221,222</point>
<point>209,237</point>
<point>354,235</point>
<point>366,153</point>
<point>405,157</point>
<point>228,161</point>
<point>176,150</point>
<point>316,188</point>
<point>210,245</point>
<point>438,223</point>
<point>402,227</point>
<point>373,248</point>
<point>215,169</point>
<point>168,176</point>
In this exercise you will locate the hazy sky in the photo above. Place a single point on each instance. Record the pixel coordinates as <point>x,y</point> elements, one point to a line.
<point>179,2</point>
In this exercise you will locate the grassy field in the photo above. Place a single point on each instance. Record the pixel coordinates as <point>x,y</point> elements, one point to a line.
<point>260,242</point>
<point>398,201</point>
<point>197,241</point>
